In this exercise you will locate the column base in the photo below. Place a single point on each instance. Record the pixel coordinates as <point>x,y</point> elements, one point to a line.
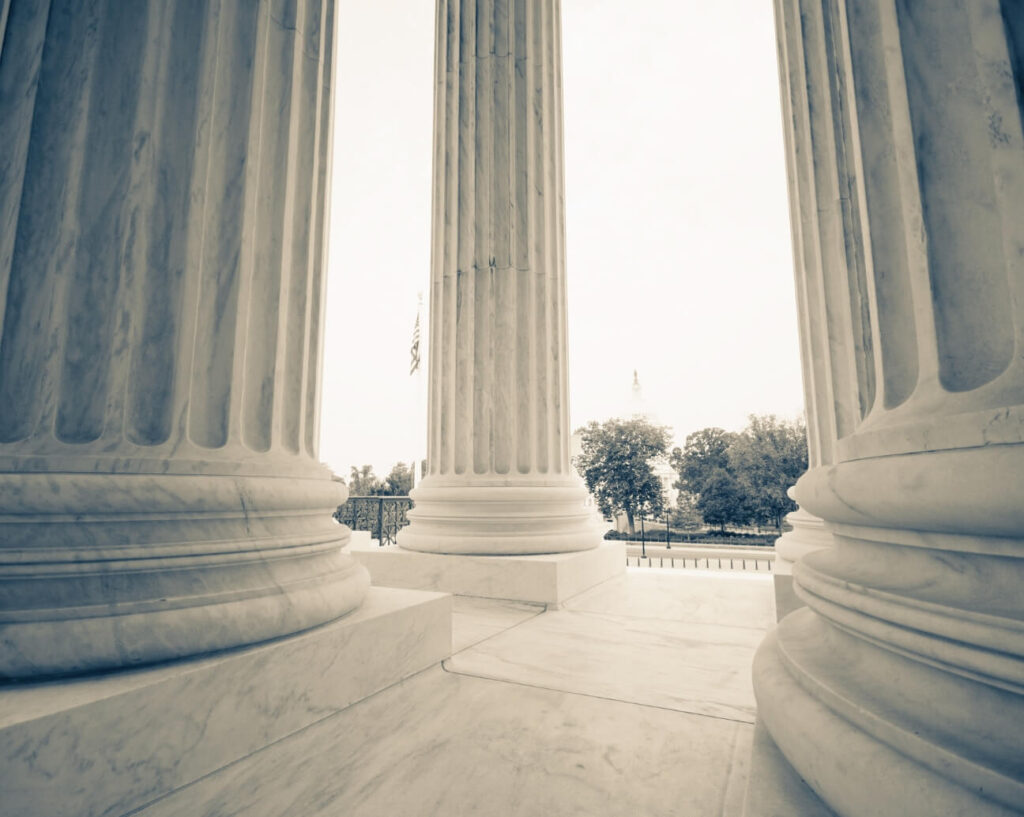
<point>774,788</point>
<point>927,743</point>
<point>786,599</point>
<point>808,534</point>
<point>545,579</point>
<point>111,744</point>
<point>102,571</point>
<point>501,518</point>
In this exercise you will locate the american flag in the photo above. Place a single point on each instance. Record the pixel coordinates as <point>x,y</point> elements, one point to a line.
<point>414,350</point>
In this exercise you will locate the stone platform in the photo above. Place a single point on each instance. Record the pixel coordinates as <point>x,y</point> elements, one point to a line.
<point>550,579</point>
<point>634,699</point>
<point>110,744</point>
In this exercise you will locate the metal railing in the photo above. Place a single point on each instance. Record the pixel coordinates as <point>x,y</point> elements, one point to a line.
<point>683,537</point>
<point>382,516</point>
<point>679,558</point>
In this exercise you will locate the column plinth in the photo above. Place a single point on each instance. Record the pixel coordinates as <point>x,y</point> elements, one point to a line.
<point>499,479</point>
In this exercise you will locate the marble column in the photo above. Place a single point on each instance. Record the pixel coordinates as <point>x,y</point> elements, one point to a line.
<point>499,479</point>
<point>163,198</point>
<point>807,534</point>
<point>899,689</point>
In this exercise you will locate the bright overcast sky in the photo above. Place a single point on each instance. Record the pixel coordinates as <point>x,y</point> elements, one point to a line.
<point>678,244</point>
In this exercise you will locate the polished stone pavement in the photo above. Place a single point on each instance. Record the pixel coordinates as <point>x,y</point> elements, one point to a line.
<point>633,699</point>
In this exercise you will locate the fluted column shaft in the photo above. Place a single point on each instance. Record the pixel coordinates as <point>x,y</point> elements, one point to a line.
<point>498,438</point>
<point>901,688</point>
<point>163,190</point>
<point>819,307</point>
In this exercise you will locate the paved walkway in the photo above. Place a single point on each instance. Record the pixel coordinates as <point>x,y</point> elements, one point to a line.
<point>634,700</point>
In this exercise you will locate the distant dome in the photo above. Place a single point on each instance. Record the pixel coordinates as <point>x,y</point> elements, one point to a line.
<point>637,406</point>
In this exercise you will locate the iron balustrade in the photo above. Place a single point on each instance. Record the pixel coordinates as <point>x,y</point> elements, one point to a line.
<point>382,516</point>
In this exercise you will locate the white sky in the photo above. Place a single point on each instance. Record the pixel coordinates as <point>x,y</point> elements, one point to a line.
<point>678,244</point>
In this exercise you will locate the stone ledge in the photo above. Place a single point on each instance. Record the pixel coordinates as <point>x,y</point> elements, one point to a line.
<point>106,745</point>
<point>550,579</point>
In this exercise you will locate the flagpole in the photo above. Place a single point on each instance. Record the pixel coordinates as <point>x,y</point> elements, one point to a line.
<point>420,406</point>
<point>417,369</point>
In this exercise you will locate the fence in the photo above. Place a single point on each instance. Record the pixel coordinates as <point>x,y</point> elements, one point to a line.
<point>725,558</point>
<point>382,516</point>
<point>659,531</point>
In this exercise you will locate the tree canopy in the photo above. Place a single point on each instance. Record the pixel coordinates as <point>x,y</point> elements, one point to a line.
<point>705,474</point>
<point>616,464</point>
<point>723,501</point>
<point>363,482</point>
<point>686,515</point>
<point>740,478</point>
<point>705,452</point>
<point>767,458</point>
<point>399,481</point>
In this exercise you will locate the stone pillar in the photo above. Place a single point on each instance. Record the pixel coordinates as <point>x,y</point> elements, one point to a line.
<point>808,534</point>
<point>163,198</point>
<point>499,479</point>
<point>900,688</point>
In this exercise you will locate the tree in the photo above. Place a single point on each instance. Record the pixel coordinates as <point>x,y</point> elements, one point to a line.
<point>398,482</point>
<point>705,452</point>
<point>616,464</point>
<point>743,477</point>
<point>766,459</point>
<point>723,500</point>
<point>685,515</point>
<point>363,482</point>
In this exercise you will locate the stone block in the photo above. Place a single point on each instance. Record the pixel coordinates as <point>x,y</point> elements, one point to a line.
<point>544,579</point>
<point>108,745</point>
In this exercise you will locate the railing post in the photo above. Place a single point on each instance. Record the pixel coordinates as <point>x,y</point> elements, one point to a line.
<point>380,521</point>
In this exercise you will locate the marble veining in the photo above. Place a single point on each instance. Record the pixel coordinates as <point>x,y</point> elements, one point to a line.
<point>684,666</point>
<point>500,480</point>
<point>700,597</point>
<point>552,578</point>
<point>897,688</point>
<point>476,747</point>
<point>448,743</point>
<point>162,196</point>
<point>476,619</point>
<point>106,745</point>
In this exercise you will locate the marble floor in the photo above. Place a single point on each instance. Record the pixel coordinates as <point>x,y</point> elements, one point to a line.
<point>633,699</point>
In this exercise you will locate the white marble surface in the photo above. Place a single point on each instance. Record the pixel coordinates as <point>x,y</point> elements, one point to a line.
<point>611,740</point>
<point>476,619</point>
<point>684,666</point>
<point>898,688</point>
<point>443,744</point>
<point>542,579</point>
<point>162,235</point>
<point>108,744</point>
<point>360,538</point>
<point>697,596</point>
<point>774,789</point>
<point>500,478</point>
<point>807,535</point>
